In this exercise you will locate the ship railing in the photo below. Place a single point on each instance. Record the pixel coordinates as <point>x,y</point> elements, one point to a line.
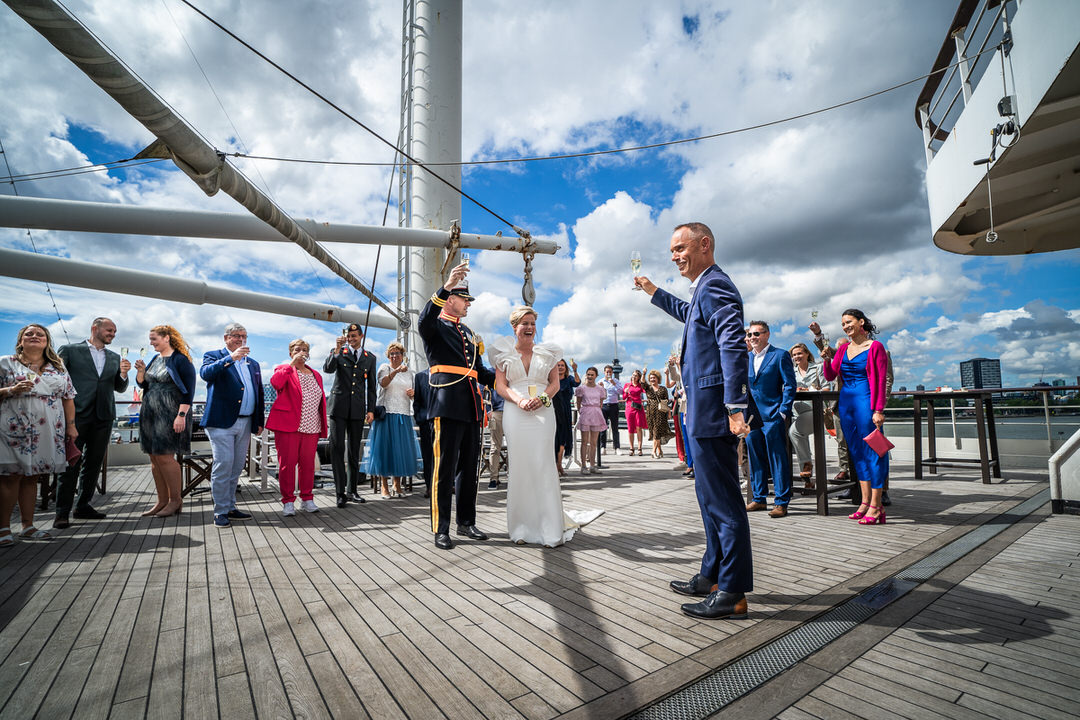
<point>968,49</point>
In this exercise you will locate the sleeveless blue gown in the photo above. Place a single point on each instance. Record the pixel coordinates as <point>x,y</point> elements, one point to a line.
<point>856,420</point>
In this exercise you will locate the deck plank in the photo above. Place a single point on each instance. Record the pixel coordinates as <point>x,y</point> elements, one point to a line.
<point>354,613</point>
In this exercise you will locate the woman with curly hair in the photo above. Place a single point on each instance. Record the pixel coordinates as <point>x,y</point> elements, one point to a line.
<point>168,384</point>
<point>37,414</point>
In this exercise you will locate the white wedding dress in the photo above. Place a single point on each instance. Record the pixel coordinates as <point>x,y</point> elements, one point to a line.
<point>534,509</point>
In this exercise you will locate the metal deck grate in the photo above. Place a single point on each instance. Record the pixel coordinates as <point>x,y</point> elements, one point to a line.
<point>710,694</point>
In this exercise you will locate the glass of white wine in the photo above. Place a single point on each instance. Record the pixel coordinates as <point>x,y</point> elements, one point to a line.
<point>142,353</point>
<point>532,391</point>
<point>123,353</point>
<point>635,265</point>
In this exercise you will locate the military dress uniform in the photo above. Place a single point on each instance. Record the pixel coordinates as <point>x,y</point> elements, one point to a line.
<point>456,409</point>
<point>351,398</point>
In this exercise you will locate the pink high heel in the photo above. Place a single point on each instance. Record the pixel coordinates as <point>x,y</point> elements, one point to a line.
<point>878,520</point>
<point>859,515</point>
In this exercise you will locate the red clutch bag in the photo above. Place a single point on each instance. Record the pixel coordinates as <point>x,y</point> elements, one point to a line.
<point>878,442</point>
<point>72,452</point>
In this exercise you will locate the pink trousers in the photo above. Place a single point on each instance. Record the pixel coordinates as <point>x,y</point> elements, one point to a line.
<point>294,448</point>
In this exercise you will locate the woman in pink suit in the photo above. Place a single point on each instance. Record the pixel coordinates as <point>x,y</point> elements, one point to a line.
<point>298,419</point>
<point>634,395</point>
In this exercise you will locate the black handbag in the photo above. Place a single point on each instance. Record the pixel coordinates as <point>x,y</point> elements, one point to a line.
<point>380,412</point>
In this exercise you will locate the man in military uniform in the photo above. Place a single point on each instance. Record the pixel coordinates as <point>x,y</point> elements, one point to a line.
<point>457,408</point>
<point>351,404</point>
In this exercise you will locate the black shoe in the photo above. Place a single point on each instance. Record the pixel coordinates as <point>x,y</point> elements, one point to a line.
<point>354,497</point>
<point>238,515</point>
<point>845,495</point>
<point>696,586</point>
<point>884,500</point>
<point>493,485</point>
<point>719,604</point>
<point>87,513</point>
<point>342,501</point>
<point>443,541</point>
<point>471,531</point>
<point>61,522</point>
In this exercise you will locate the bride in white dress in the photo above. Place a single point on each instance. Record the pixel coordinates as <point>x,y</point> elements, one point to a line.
<point>526,377</point>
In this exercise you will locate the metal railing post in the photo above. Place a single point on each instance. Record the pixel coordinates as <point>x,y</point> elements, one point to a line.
<point>965,70</point>
<point>1046,413</point>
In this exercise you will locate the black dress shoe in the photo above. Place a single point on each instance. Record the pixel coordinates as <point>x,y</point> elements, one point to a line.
<point>87,513</point>
<point>354,497</point>
<point>471,531</point>
<point>443,541</point>
<point>885,499</point>
<point>719,604</point>
<point>342,501</point>
<point>61,522</point>
<point>696,586</point>
<point>845,495</point>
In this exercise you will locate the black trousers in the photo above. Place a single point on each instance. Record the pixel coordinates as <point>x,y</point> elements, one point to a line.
<point>346,438</point>
<point>93,440</point>
<point>456,449</point>
<point>427,431</point>
<point>611,414</point>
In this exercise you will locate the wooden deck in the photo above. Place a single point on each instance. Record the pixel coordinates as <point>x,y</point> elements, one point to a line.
<point>353,613</point>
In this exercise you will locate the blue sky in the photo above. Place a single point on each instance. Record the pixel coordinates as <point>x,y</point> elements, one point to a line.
<point>824,213</point>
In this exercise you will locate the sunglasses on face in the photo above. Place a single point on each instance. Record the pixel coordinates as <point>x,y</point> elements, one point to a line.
<point>753,334</point>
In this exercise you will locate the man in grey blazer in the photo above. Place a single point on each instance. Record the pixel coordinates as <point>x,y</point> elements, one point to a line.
<point>97,374</point>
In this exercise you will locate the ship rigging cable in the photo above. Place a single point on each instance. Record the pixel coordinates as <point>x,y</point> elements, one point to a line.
<point>47,174</point>
<point>48,287</point>
<point>354,119</point>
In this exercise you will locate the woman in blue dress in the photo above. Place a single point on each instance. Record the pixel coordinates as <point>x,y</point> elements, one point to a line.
<point>862,366</point>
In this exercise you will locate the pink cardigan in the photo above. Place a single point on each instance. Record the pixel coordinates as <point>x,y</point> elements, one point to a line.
<point>285,413</point>
<point>877,366</point>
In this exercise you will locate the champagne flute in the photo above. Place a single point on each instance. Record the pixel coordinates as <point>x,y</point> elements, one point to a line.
<point>31,375</point>
<point>635,265</point>
<point>123,353</point>
<point>465,259</point>
<point>532,391</point>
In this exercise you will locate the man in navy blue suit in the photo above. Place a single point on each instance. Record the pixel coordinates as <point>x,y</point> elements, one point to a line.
<point>234,410</point>
<point>714,367</point>
<point>772,385</point>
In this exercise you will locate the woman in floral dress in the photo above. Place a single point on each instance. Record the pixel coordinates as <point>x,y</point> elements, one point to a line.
<point>37,413</point>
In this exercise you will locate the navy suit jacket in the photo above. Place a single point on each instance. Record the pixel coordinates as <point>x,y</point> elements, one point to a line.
<point>773,386</point>
<point>422,392</point>
<point>713,351</point>
<point>225,390</point>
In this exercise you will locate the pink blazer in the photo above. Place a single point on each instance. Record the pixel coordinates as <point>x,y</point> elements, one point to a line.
<point>285,412</point>
<point>877,367</point>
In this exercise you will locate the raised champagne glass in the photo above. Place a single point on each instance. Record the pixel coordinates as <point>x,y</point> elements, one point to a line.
<point>635,265</point>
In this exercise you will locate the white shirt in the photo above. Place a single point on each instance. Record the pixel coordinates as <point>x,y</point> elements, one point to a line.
<point>759,357</point>
<point>98,356</point>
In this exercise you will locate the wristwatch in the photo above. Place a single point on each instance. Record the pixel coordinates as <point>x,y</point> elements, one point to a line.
<point>182,413</point>
<point>731,411</point>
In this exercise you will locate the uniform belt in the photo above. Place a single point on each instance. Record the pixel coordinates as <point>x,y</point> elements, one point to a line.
<point>453,370</point>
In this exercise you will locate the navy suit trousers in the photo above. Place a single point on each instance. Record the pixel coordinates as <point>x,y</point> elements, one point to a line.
<point>769,454</point>
<point>728,559</point>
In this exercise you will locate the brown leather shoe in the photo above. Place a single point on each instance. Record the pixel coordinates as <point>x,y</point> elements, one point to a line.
<point>755,506</point>
<point>807,470</point>
<point>778,511</point>
<point>841,477</point>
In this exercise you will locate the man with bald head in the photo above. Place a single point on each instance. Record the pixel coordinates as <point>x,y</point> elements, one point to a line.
<point>97,374</point>
<point>718,407</point>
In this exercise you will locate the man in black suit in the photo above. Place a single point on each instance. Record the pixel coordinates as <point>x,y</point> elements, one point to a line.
<point>97,373</point>
<point>351,404</point>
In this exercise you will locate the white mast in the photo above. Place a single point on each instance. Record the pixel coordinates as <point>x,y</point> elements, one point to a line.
<point>433,136</point>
